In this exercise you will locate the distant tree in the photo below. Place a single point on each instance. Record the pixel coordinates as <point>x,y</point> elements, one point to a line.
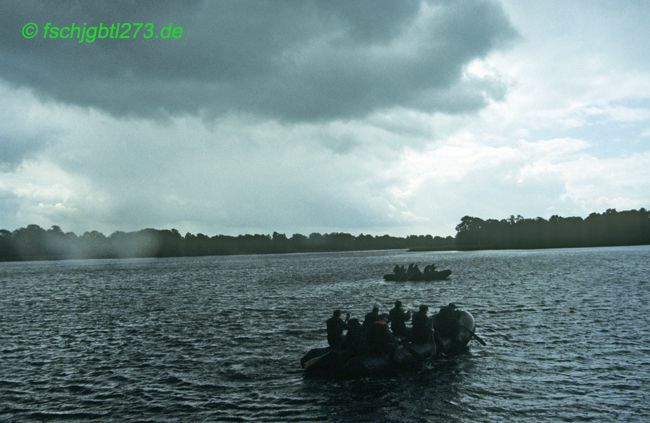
<point>7,248</point>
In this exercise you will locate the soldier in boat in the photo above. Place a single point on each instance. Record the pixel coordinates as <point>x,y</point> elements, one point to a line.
<point>379,340</point>
<point>335,328</point>
<point>414,272</point>
<point>446,321</point>
<point>398,318</point>
<point>422,330</point>
<point>371,317</point>
<point>353,342</point>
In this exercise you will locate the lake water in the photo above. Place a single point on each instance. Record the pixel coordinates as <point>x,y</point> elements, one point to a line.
<point>220,338</point>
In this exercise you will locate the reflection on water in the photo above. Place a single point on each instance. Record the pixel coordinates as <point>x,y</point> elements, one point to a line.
<point>219,338</point>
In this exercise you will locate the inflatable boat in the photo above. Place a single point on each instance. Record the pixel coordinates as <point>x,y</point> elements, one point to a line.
<point>405,355</point>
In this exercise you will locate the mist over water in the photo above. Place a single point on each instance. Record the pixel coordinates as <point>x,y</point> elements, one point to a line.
<point>220,338</point>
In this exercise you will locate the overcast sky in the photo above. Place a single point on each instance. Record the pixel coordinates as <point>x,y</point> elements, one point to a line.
<point>365,116</point>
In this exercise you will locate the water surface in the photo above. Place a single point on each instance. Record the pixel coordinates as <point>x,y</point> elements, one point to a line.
<point>220,338</point>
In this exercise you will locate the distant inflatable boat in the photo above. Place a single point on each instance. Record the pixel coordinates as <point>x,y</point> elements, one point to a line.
<point>430,276</point>
<point>327,362</point>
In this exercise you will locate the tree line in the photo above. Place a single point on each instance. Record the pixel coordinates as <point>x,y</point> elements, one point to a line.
<point>609,228</point>
<point>630,227</point>
<point>36,243</point>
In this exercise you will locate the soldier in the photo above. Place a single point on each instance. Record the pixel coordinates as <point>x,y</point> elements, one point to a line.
<point>422,330</point>
<point>335,328</point>
<point>398,319</point>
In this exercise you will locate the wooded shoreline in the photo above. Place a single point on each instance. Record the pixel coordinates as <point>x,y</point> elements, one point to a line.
<point>610,228</point>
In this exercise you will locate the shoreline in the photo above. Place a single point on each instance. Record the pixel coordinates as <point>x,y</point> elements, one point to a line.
<point>267,253</point>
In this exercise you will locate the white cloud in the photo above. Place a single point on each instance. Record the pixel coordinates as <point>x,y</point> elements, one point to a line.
<point>618,113</point>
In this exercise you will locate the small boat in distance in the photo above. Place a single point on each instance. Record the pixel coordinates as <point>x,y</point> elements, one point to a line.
<point>413,273</point>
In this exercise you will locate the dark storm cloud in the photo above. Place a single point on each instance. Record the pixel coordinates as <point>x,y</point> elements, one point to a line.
<point>14,150</point>
<point>22,136</point>
<point>291,60</point>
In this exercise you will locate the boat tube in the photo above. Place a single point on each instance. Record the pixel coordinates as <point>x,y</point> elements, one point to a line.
<point>459,340</point>
<point>430,276</point>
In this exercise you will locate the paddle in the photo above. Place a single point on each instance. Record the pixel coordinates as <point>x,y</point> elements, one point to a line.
<point>410,349</point>
<point>478,338</point>
<point>315,360</point>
